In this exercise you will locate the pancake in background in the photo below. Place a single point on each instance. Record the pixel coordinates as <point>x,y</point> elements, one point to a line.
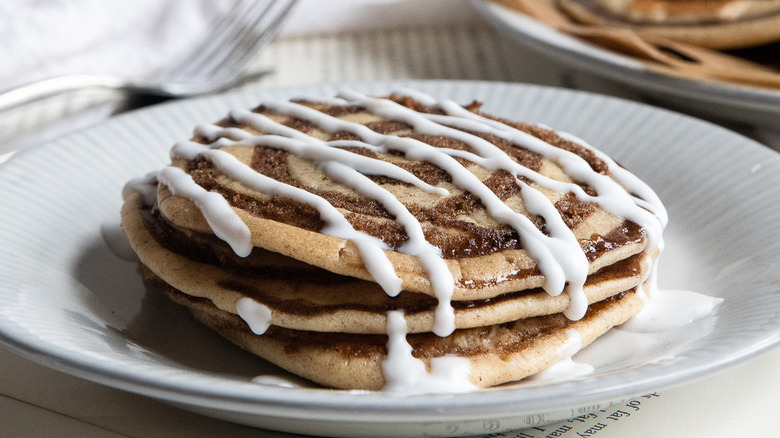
<point>716,24</point>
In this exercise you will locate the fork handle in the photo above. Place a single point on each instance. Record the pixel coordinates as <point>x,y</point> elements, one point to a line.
<point>55,86</point>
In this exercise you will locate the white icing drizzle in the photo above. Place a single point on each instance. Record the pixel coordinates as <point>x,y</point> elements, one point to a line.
<point>145,185</point>
<point>657,334</point>
<point>559,259</point>
<point>552,256</point>
<point>419,96</point>
<point>565,367</point>
<point>671,309</point>
<point>256,315</point>
<point>300,144</point>
<point>407,375</point>
<point>336,224</point>
<point>644,197</point>
<point>348,169</point>
<point>430,256</point>
<point>216,210</point>
<point>613,194</point>
<point>624,194</point>
<point>558,255</point>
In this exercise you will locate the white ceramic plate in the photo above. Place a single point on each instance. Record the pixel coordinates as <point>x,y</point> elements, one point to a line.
<point>717,100</point>
<point>74,303</point>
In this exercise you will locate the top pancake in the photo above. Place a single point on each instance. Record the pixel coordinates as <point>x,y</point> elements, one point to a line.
<point>485,254</point>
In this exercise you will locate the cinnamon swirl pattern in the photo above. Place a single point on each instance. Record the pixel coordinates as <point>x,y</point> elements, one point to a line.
<point>369,243</point>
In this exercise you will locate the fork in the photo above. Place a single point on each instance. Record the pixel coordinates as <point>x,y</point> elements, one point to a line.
<point>213,65</point>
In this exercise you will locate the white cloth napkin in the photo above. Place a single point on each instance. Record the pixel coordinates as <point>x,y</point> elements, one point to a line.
<point>135,38</point>
<point>132,38</point>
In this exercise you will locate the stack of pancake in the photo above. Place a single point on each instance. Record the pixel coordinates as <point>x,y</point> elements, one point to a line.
<point>320,233</point>
<point>717,24</point>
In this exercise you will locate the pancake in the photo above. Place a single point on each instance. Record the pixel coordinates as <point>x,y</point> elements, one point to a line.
<point>496,354</point>
<point>305,297</point>
<point>303,229</point>
<point>485,257</point>
<point>716,24</point>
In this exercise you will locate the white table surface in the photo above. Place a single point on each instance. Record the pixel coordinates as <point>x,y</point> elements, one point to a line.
<point>38,402</point>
